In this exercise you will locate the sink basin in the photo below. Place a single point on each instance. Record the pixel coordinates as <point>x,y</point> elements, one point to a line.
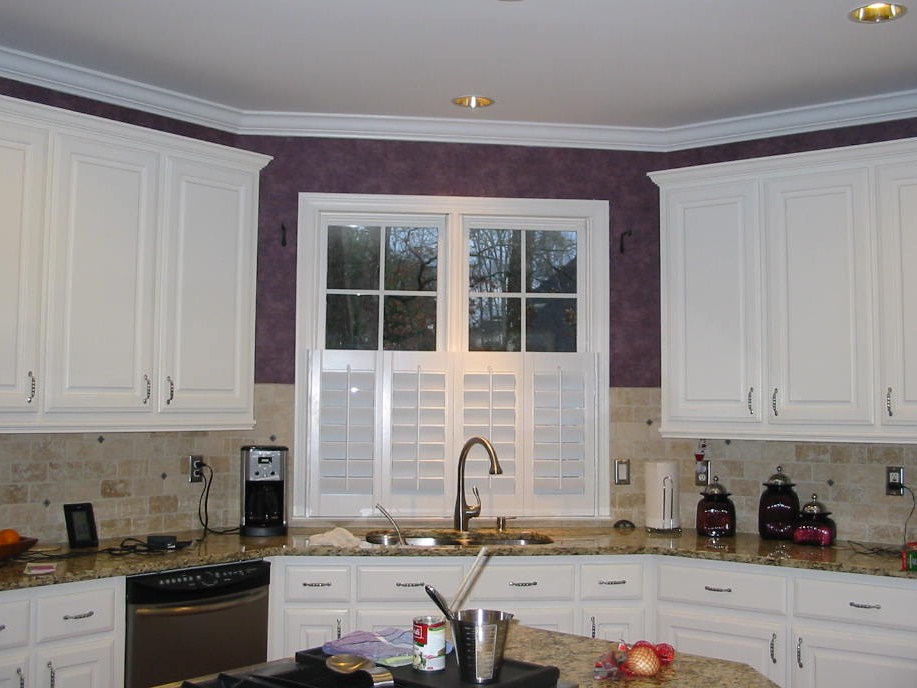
<point>445,538</point>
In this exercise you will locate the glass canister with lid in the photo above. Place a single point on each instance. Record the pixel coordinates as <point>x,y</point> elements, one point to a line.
<point>716,514</point>
<point>778,508</point>
<point>814,527</point>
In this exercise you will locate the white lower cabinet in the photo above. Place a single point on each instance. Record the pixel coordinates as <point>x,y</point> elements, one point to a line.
<point>63,636</point>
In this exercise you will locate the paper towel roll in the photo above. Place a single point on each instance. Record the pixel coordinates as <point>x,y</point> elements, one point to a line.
<point>662,496</point>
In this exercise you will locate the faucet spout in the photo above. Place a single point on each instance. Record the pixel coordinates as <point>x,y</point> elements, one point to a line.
<point>464,511</point>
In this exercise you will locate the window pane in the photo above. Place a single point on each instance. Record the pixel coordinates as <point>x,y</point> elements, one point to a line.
<point>495,260</point>
<point>550,324</point>
<point>353,257</point>
<point>494,324</point>
<point>351,321</point>
<point>410,323</point>
<point>550,262</point>
<point>410,258</point>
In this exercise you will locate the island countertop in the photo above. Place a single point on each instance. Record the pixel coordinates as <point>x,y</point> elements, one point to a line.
<point>580,540</point>
<point>575,655</point>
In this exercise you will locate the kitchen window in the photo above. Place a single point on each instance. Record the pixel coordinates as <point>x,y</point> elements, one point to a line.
<point>422,321</point>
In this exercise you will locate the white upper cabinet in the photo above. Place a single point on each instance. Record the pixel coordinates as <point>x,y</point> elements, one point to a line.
<point>139,315</point>
<point>23,153</point>
<point>787,296</point>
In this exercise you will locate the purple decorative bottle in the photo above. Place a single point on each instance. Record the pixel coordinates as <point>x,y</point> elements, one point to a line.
<point>778,508</point>
<point>813,527</point>
<point>716,514</point>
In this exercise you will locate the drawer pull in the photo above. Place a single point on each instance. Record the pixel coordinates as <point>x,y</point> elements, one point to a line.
<point>409,585</point>
<point>52,674</point>
<point>860,605</point>
<point>773,642</point>
<point>21,677</point>
<point>613,582</point>
<point>326,584</point>
<point>799,652</point>
<point>592,618</point>
<point>526,584</point>
<point>77,617</point>
<point>710,588</point>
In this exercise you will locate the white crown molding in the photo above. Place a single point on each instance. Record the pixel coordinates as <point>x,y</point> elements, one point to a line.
<point>74,80</point>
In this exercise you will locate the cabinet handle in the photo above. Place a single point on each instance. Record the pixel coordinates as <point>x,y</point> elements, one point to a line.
<point>21,677</point>
<point>751,411</point>
<point>527,584</point>
<point>171,390</point>
<point>773,642</point>
<point>338,624</point>
<point>53,675</point>
<point>860,605</point>
<point>77,617</point>
<point>149,389</point>
<point>592,618</point>
<point>622,581</point>
<point>32,384</point>
<point>408,585</point>
<point>710,588</point>
<point>888,402</point>
<point>774,402</point>
<point>799,652</point>
<point>326,584</point>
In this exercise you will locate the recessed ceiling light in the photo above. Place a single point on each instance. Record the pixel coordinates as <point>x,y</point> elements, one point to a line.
<point>877,12</point>
<point>473,101</point>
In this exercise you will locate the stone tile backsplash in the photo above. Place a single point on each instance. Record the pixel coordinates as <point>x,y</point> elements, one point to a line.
<point>138,482</point>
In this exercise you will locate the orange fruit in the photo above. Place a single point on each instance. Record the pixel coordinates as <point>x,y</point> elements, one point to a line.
<point>8,536</point>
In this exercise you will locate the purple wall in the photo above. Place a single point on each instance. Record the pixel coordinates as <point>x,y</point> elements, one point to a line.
<point>398,167</point>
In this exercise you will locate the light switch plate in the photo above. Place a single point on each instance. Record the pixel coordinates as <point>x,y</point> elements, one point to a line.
<point>622,471</point>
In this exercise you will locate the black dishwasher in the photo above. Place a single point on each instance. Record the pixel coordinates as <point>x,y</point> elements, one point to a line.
<point>192,622</point>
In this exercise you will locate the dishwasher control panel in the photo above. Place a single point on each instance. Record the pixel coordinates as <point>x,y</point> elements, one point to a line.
<point>233,577</point>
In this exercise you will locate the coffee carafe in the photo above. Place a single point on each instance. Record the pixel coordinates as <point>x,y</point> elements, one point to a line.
<point>778,508</point>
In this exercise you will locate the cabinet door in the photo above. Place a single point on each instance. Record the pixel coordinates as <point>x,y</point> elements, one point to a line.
<point>76,665</point>
<point>304,628</point>
<point>14,670</point>
<point>711,296</point>
<point>614,623</point>
<point>207,324</point>
<point>753,640</point>
<point>846,657</point>
<point>23,153</point>
<point>897,213</point>
<point>819,299</point>
<point>101,276</point>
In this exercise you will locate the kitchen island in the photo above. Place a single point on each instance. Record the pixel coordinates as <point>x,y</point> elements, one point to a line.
<point>574,656</point>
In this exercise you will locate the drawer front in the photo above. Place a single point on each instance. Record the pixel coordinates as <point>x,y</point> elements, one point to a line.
<point>14,624</point>
<point>75,614</point>
<point>722,588</point>
<point>611,581</point>
<point>405,583</point>
<point>856,603</point>
<point>513,582</point>
<point>317,584</point>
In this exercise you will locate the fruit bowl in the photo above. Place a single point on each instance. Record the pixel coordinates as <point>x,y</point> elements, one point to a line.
<point>14,548</point>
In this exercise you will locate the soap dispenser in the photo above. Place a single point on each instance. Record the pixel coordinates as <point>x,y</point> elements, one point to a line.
<point>778,508</point>
<point>716,514</point>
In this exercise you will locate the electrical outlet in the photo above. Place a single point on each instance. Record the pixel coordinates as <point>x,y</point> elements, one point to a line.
<point>702,473</point>
<point>195,469</point>
<point>894,480</point>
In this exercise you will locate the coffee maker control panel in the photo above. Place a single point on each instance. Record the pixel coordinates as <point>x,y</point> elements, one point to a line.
<point>264,465</point>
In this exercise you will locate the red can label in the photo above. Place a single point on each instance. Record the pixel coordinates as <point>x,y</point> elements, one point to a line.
<point>429,643</point>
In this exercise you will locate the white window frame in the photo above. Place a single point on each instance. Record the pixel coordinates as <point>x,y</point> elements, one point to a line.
<point>593,334</point>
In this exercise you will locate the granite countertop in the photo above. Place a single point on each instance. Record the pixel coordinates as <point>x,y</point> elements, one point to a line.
<point>575,655</point>
<point>568,540</point>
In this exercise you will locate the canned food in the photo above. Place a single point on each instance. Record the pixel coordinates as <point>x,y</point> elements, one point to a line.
<point>429,643</point>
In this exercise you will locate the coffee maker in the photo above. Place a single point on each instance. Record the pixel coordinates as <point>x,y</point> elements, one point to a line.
<point>263,495</point>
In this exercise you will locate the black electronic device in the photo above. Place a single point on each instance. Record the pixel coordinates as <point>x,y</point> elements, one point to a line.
<point>81,525</point>
<point>263,491</point>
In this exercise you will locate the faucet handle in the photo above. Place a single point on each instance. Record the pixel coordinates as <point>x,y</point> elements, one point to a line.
<point>476,509</point>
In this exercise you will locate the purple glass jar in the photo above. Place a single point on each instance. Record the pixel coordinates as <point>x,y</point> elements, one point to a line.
<point>778,508</point>
<point>716,514</point>
<point>813,527</point>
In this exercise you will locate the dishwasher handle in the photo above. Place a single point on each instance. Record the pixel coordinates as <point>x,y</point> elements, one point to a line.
<point>213,605</point>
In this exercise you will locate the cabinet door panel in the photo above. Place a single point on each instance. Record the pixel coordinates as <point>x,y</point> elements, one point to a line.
<point>77,665</point>
<point>712,304</point>
<point>306,628</point>
<point>23,153</point>
<point>614,623</point>
<point>819,298</point>
<point>100,318</point>
<point>208,316</point>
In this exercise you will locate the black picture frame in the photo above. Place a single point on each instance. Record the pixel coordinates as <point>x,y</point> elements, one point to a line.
<point>81,525</point>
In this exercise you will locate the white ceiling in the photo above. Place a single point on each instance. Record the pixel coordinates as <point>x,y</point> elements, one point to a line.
<point>645,74</point>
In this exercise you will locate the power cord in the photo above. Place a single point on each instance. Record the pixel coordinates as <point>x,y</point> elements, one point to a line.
<point>203,514</point>
<point>891,551</point>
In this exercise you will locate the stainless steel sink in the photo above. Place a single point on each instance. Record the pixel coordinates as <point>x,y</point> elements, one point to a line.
<point>445,538</point>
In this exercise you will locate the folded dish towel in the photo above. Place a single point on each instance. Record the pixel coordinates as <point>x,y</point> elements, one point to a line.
<point>336,537</point>
<point>390,646</point>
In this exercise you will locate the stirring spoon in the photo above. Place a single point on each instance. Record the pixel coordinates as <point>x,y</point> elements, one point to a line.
<point>439,601</point>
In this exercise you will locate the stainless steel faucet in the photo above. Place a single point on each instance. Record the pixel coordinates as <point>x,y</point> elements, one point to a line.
<point>464,511</point>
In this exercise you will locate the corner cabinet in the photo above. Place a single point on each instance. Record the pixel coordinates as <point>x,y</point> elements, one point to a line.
<point>131,276</point>
<point>770,274</point>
